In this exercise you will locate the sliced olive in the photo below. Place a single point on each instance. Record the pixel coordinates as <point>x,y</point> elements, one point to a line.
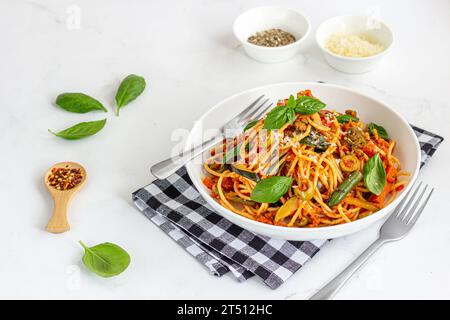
<point>305,189</point>
<point>349,163</point>
<point>303,222</point>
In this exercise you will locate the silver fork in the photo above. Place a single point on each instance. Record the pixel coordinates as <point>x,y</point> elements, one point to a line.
<point>395,228</point>
<point>254,111</point>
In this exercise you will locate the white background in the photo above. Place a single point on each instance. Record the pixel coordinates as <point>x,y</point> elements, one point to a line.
<point>190,59</point>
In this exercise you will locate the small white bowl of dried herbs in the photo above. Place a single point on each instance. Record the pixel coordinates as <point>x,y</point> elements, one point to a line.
<point>271,34</point>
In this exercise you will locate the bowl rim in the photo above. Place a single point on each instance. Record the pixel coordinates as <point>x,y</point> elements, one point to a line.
<point>357,59</point>
<point>310,233</point>
<point>291,45</point>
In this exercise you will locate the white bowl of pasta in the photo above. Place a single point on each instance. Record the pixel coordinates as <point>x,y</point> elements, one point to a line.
<point>325,163</point>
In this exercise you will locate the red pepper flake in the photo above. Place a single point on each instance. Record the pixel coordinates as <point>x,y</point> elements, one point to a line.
<point>65,178</point>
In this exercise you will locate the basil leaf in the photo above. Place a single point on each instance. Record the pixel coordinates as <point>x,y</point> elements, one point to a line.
<point>374,175</point>
<point>308,105</point>
<point>276,118</point>
<point>271,189</point>
<point>78,102</point>
<point>382,133</point>
<point>105,259</point>
<point>81,130</point>
<point>291,103</point>
<point>290,114</point>
<point>130,88</point>
<point>232,153</point>
<point>346,118</point>
<point>316,140</point>
<point>251,124</point>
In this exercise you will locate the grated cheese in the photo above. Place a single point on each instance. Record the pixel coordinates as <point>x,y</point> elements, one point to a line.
<point>349,45</point>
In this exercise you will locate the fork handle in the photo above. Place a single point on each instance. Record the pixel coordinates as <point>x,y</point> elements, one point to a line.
<point>330,289</point>
<point>165,168</point>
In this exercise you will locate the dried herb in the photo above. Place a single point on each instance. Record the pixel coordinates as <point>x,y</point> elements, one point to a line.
<point>271,38</point>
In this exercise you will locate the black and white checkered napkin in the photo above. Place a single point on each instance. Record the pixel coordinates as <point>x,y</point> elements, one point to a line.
<point>177,208</point>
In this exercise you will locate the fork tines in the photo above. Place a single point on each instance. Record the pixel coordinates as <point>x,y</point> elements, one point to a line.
<point>409,212</point>
<point>254,111</point>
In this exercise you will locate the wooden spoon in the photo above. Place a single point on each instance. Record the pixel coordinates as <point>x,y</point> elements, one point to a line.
<point>58,223</point>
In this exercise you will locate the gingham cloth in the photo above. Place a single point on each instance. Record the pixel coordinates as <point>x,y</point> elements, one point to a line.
<point>177,208</point>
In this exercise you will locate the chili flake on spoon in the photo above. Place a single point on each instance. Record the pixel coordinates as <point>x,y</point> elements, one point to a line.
<point>65,178</point>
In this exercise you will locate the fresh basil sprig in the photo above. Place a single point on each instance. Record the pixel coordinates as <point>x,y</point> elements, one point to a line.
<point>78,102</point>
<point>308,105</point>
<point>279,115</point>
<point>282,114</point>
<point>130,88</point>
<point>105,259</point>
<point>346,118</point>
<point>382,133</point>
<point>271,189</point>
<point>374,175</point>
<point>81,130</point>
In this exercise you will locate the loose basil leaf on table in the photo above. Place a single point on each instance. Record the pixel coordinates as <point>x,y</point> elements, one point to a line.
<point>78,102</point>
<point>105,259</point>
<point>250,125</point>
<point>374,175</point>
<point>346,118</point>
<point>382,133</point>
<point>130,88</point>
<point>271,189</point>
<point>308,105</point>
<point>81,130</point>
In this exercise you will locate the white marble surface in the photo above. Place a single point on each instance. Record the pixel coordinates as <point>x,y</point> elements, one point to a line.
<point>186,51</point>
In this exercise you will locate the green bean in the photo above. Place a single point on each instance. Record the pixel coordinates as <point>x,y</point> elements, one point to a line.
<point>346,186</point>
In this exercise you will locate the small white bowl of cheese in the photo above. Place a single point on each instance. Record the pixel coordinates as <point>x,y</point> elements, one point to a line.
<point>354,44</point>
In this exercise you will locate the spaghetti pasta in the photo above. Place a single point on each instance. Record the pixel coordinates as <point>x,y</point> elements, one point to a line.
<point>318,151</point>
